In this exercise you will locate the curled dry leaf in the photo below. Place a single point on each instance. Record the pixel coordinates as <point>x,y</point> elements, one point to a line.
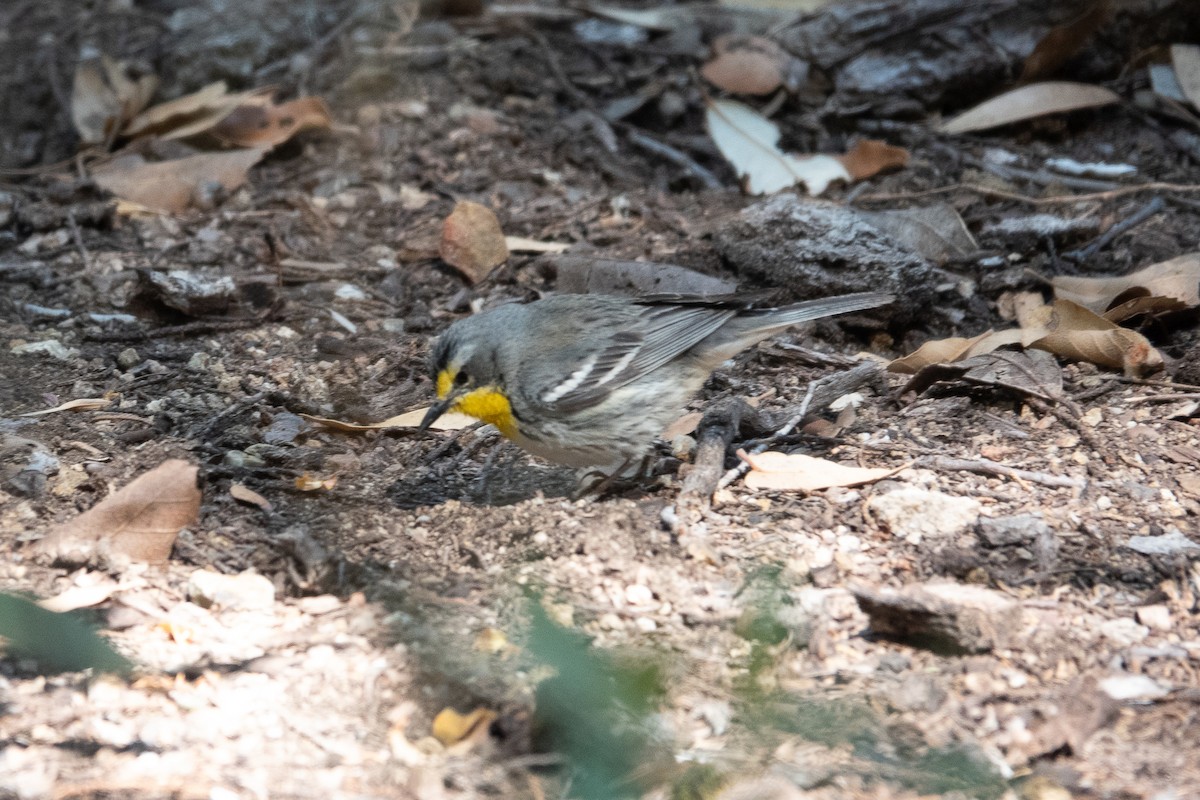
<point>1177,279</point>
<point>450,421</point>
<point>189,115</point>
<point>1029,102</point>
<point>798,472</point>
<point>451,728</point>
<point>172,186</point>
<point>472,241</point>
<point>939,351</point>
<point>1186,60</point>
<point>1064,41</point>
<point>104,96</point>
<point>755,65</point>
<point>263,123</point>
<point>1032,372</point>
<point>870,157</point>
<point>1073,331</point>
<point>140,521</point>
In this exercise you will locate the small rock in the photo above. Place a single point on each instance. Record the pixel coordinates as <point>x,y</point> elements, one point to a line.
<point>128,358</point>
<point>1157,617</point>
<point>912,513</point>
<point>1133,687</point>
<point>943,617</point>
<point>192,293</point>
<point>1004,531</point>
<point>49,347</point>
<point>244,591</point>
<point>918,692</point>
<point>1123,631</point>
<point>637,594</point>
<point>1165,545</point>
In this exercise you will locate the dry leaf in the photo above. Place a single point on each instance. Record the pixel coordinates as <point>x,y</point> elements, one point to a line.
<point>798,472</point>
<point>1178,279</point>
<point>748,141</point>
<point>82,404</point>
<point>140,521</point>
<point>938,351</point>
<point>450,421</point>
<point>173,186</point>
<point>450,728</point>
<point>80,597</point>
<point>519,244</point>
<point>103,97</point>
<point>683,426</point>
<point>193,113</point>
<point>1028,102</point>
<point>315,483</point>
<point>937,232</point>
<point>472,241</point>
<point>1032,372</point>
<point>1064,41</point>
<point>1075,332</point>
<point>1150,306</point>
<point>870,157</point>
<point>243,494</point>
<point>746,65</point>
<point>265,124</point>
<point>1186,60</point>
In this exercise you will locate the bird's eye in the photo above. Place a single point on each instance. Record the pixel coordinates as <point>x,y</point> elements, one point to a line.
<point>461,378</point>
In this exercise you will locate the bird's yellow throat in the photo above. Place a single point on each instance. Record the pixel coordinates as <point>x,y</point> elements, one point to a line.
<point>486,404</point>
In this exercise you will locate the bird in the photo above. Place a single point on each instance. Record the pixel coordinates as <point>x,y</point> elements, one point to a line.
<point>589,380</point>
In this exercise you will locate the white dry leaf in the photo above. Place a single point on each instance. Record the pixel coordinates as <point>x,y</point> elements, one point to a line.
<point>450,421</point>
<point>1028,102</point>
<point>521,244</point>
<point>1186,60</point>
<point>749,141</point>
<point>798,472</point>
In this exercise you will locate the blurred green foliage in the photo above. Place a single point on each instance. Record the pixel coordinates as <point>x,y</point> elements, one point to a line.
<point>58,642</point>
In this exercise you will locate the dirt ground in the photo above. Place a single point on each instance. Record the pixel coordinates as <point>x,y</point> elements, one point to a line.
<point>405,584</point>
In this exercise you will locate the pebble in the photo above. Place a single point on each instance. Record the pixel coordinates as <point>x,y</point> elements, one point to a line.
<point>913,514</point>
<point>1156,616</point>
<point>244,591</point>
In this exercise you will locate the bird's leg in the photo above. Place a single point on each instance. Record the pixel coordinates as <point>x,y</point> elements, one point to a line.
<point>595,482</point>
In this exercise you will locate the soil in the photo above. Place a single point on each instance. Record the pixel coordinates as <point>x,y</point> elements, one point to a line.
<point>405,566</point>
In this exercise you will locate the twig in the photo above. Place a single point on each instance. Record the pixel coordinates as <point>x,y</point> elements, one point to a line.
<point>1147,211</point>
<point>77,235</point>
<point>713,437</point>
<point>986,467</point>
<point>202,431</point>
<point>676,157</point>
<point>999,194</point>
<point>821,392</point>
<point>1162,398</point>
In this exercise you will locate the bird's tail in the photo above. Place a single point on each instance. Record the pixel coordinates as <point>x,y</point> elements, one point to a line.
<point>752,326</point>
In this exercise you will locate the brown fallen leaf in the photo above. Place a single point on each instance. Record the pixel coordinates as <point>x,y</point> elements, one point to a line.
<point>744,64</point>
<point>82,404</point>
<point>140,520</point>
<point>172,186</point>
<point>264,123</point>
<point>1028,102</point>
<point>870,157</point>
<point>1177,279</point>
<point>683,426</point>
<point>798,472</point>
<point>1064,41</point>
<point>472,241</point>
<point>1073,331</point>
<point>1030,372</point>
<point>450,421</point>
<point>937,351</point>
<point>242,493</point>
<point>451,728</point>
<point>187,115</point>
<point>1186,60</point>
<point>104,96</point>
<point>1149,306</point>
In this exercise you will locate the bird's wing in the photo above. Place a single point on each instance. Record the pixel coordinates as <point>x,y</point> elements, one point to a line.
<point>659,334</point>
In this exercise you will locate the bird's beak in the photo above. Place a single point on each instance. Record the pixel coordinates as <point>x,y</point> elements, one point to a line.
<point>435,411</point>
